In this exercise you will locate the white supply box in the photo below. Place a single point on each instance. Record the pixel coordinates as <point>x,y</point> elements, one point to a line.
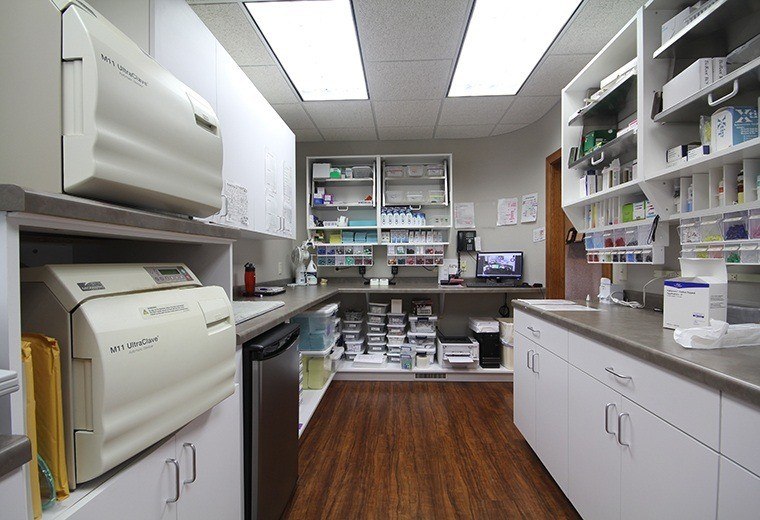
<point>696,297</point>
<point>732,126</point>
<point>694,78</point>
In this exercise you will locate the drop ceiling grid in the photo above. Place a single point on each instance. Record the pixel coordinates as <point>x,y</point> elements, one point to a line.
<point>409,52</point>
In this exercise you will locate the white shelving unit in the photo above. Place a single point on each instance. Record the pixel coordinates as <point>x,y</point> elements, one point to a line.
<point>426,193</point>
<point>311,399</point>
<point>435,372</point>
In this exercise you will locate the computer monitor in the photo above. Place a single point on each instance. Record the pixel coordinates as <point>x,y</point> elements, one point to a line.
<point>499,265</point>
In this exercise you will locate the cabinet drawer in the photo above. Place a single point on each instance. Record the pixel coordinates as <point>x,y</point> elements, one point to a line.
<point>740,430</point>
<point>738,492</point>
<point>692,407</point>
<point>548,335</point>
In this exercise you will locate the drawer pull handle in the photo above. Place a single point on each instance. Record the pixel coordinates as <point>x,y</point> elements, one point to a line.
<point>534,331</point>
<point>620,428</point>
<point>621,376</point>
<point>176,481</point>
<point>601,158</point>
<point>527,361</point>
<point>734,91</point>
<point>533,365</point>
<point>195,462</point>
<point>607,417</point>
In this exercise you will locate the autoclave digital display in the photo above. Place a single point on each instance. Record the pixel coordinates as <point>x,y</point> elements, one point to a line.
<point>169,271</point>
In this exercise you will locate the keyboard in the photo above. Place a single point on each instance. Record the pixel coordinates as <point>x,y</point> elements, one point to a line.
<point>248,310</point>
<point>483,283</point>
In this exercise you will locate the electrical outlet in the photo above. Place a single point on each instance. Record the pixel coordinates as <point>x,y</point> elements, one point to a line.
<point>733,277</point>
<point>463,266</point>
<point>279,267</point>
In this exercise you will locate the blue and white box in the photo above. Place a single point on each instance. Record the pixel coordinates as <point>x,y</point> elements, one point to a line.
<point>732,126</point>
<point>696,297</point>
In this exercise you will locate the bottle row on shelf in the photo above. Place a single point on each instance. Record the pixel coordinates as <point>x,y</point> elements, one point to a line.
<point>719,187</point>
<point>615,211</point>
<point>406,236</point>
<point>595,181</point>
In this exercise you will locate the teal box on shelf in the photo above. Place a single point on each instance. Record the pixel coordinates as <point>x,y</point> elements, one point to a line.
<point>362,223</point>
<point>347,237</point>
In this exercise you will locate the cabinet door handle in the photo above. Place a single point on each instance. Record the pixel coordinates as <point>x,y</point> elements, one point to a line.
<point>527,361</point>
<point>195,462</point>
<point>176,480</point>
<point>533,367</point>
<point>601,158</point>
<point>728,96</point>
<point>621,376</point>
<point>536,332</point>
<point>620,428</point>
<point>607,417</point>
<point>342,208</point>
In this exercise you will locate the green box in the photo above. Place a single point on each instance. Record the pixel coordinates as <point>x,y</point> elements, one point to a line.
<point>335,173</point>
<point>596,138</point>
<point>627,213</point>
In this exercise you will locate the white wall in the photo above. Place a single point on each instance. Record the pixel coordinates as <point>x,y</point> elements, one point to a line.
<point>484,170</point>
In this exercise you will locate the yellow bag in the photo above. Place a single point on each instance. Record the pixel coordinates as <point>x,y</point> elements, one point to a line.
<point>51,442</point>
<point>31,426</point>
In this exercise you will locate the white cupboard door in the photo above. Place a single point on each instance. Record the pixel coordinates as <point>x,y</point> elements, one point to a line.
<point>665,473</point>
<point>138,491</point>
<point>525,390</point>
<point>739,493</point>
<point>209,452</point>
<point>184,46</point>
<point>594,453</point>
<point>551,413</point>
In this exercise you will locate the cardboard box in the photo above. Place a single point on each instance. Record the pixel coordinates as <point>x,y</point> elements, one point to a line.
<point>674,25</point>
<point>698,296</point>
<point>597,138</point>
<point>640,210</point>
<point>698,152</point>
<point>691,80</point>
<point>733,125</point>
<point>627,212</point>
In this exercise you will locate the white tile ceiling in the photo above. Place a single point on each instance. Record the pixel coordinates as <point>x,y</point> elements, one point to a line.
<point>409,49</point>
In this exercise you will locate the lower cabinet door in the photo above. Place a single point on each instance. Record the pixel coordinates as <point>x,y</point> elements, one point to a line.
<point>739,492</point>
<point>209,451</point>
<point>665,473</point>
<point>551,413</point>
<point>594,453</point>
<point>138,491</point>
<point>525,390</point>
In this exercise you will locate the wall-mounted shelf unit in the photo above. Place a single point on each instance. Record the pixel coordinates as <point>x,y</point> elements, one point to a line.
<point>415,194</point>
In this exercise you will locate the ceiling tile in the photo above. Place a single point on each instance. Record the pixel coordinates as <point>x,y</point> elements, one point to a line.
<point>595,25</point>
<point>406,113</point>
<point>350,134</point>
<point>340,114</point>
<point>462,131</point>
<point>271,83</point>
<point>294,115</point>
<point>408,79</point>
<point>527,109</point>
<point>232,27</point>
<point>391,133</point>
<point>410,29</point>
<point>307,134</point>
<point>507,128</point>
<point>553,74</point>
<point>473,110</point>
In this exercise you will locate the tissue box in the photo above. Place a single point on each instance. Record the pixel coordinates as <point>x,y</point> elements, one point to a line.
<point>732,126</point>
<point>697,297</point>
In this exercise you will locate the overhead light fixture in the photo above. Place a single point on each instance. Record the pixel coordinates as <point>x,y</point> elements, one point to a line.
<point>316,43</point>
<point>504,42</point>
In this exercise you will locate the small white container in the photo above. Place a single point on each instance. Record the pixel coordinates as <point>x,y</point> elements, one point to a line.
<point>352,326</point>
<point>424,360</point>
<point>423,323</point>
<point>376,346</point>
<point>394,340</point>
<point>376,328</point>
<point>376,319</point>
<point>375,337</point>
<point>378,308</point>
<point>396,329</point>
<point>352,336</point>
<point>397,318</point>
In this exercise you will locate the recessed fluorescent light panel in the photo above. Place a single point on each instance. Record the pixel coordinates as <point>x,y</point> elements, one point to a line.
<point>504,42</point>
<point>316,43</point>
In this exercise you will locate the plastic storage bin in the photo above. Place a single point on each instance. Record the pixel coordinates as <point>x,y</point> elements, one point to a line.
<point>317,372</point>
<point>351,315</point>
<point>375,319</point>
<point>352,336</point>
<point>363,172</point>
<point>754,223</point>
<point>735,226</point>
<point>434,170</point>
<point>320,320</point>
<point>749,254</point>
<point>394,171</point>
<point>397,318</point>
<point>396,329</point>
<point>375,338</point>
<point>711,229</point>
<point>436,196</point>
<point>355,345</point>
<point>376,346</point>
<point>394,196</point>
<point>396,340</point>
<point>378,308</point>
<point>731,254</point>
<point>352,326</point>
<point>631,237</point>
<point>316,341</point>
<point>415,196</point>
<point>598,240</point>
<point>423,323</point>
<point>376,328</point>
<point>415,170</point>
<point>689,231</point>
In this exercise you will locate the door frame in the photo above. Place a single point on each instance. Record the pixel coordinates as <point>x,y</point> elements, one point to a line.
<point>555,228</point>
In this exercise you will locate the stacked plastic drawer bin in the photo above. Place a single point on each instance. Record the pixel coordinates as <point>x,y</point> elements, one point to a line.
<point>377,328</point>
<point>421,335</point>
<point>353,333</point>
<point>320,330</point>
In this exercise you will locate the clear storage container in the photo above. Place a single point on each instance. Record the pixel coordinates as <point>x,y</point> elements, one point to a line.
<point>376,328</point>
<point>375,319</point>
<point>754,223</point>
<point>415,170</point>
<point>415,196</point>
<point>394,196</point>
<point>619,237</point>
<point>588,241</point>
<point>396,340</point>
<point>748,253</point>
<point>352,326</point>
<point>375,346</point>
<point>434,170</point>
<point>711,230</point>
<point>689,231</point>
<point>355,346</point>
<point>436,196</point>
<point>378,308</point>
<point>715,252</point>
<point>318,321</point>
<point>352,336</point>
<point>423,323</point>
<point>396,318</point>
<point>731,254</point>
<point>396,329</point>
<point>363,172</point>
<point>608,239</point>
<point>352,315</point>
<point>316,341</point>
<point>394,171</point>
<point>598,240</point>
<point>631,237</point>
<point>735,226</point>
<point>375,336</point>
<point>394,357</point>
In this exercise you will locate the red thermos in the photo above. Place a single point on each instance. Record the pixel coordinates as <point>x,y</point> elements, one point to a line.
<point>250,279</point>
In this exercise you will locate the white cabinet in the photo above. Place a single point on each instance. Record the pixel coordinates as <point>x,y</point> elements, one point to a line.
<point>540,409</point>
<point>594,453</point>
<point>664,472</point>
<point>173,481</point>
<point>739,497</point>
<point>525,390</point>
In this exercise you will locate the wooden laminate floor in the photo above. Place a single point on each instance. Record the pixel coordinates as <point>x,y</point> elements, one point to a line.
<point>420,450</point>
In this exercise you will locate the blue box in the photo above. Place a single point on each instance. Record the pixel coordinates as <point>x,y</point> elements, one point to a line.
<point>733,125</point>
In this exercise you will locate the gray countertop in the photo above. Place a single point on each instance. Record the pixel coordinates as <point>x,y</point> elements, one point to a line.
<point>639,333</point>
<point>15,451</point>
<point>16,199</point>
<point>299,299</point>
